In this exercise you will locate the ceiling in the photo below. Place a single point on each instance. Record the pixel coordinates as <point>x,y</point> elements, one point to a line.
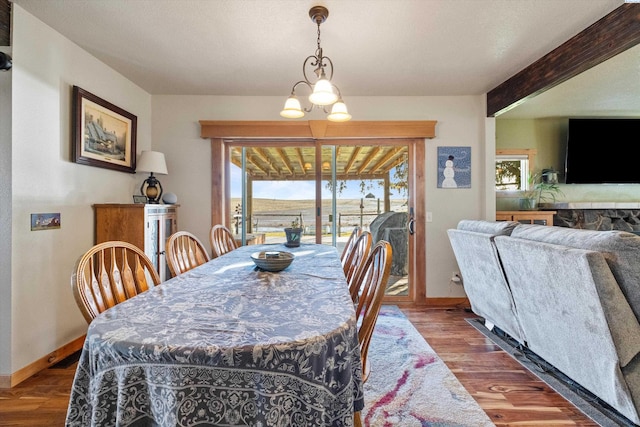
<point>355,162</point>
<point>378,47</point>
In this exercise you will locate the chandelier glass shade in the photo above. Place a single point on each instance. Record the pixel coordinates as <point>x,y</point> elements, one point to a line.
<point>323,91</point>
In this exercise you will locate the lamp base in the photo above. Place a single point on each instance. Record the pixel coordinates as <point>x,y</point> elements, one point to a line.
<point>153,190</point>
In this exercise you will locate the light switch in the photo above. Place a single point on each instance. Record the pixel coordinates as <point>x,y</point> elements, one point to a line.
<point>429,216</point>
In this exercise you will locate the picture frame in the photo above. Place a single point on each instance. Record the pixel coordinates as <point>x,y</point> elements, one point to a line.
<point>103,135</point>
<point>139,199</point>
<point>454,167</point>
<point>45,221</point>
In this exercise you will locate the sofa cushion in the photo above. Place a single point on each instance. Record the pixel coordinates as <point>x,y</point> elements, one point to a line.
<point>574,315</point>
<point>621,250</point>
<point>494,228</point>
<point>484,281</point>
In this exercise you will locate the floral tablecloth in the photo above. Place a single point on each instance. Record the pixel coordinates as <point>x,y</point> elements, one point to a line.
<point>226,344</point>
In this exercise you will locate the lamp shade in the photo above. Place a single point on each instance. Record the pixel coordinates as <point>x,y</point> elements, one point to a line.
<point>339,112</point>
<point>323,93</point>
<point>292,109</point>
<point>152,161</point>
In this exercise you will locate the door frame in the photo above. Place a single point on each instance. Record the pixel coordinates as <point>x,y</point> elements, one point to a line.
<point>414,132</point>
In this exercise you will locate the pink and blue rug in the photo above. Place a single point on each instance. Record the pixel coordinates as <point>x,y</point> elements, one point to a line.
<point>410,385</point>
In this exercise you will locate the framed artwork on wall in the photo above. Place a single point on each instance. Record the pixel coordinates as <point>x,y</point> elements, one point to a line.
<point>103,135</point>
<point>454,167</point>
<point>45,221</point>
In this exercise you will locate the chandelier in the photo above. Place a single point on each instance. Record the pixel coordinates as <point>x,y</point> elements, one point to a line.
<point>323,92</point>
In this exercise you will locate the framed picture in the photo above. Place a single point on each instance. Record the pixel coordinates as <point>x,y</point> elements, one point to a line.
<point>454,167</point>
<point>139,199</point>
<point>45,221</point>
<point>103,135</point>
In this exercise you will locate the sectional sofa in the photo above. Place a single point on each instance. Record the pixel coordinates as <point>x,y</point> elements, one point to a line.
<point>571,296</point>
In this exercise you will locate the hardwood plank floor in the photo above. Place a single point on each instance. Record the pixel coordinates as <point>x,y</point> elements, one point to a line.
<point>509,394</point>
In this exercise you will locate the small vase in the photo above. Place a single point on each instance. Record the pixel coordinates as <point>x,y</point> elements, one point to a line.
<point>293,237</point>
<point>527,204</point>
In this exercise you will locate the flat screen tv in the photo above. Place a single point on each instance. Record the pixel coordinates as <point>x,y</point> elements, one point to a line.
<point>602,151</point>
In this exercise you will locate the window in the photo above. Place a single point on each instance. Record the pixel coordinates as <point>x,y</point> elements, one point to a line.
<point>512,169</point>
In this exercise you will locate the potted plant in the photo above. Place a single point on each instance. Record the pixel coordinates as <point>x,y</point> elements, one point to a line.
<point>293,233</point>
<point>540,190</point>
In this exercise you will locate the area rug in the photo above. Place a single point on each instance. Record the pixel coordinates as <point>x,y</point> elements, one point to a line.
<point>590,405</point>
<point>409,384</point>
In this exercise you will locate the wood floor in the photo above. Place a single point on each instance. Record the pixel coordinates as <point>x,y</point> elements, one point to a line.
<point>509,394</point>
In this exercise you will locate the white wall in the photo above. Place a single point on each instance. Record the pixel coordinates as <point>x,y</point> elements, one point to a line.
<point>44,315</point>
<point>461,122</point>
<point>5,217</point>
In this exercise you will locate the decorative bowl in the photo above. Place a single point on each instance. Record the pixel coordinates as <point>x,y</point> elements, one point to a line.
<point>272,260</point>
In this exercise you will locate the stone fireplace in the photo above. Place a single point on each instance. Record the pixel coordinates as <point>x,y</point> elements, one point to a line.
<point>597,216</point>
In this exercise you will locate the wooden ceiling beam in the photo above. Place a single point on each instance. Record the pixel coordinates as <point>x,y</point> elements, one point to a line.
<point>5,23</point>
<point>252,161</point>
<point>260,153</point>
<point>614,33</point>
<point>369,159</point>
<point>301,159</point>
<point>285,160</point>
<point>395,163</point>
<point>392,153</point>
<point>352,160</point>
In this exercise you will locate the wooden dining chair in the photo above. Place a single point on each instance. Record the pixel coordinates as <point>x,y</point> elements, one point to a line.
<point>184,252</point>
<point>110,273</point>
<point>349,246</point>
<point>370,289</point>
<point>222,240</point>
<point>357,256</point>
<point>372,282</point>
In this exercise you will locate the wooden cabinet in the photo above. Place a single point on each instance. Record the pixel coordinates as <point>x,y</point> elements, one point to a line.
<point>527,217</point>
<point>146,226</point>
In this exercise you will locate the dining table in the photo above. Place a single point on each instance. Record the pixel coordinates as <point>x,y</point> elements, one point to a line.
<point>227,344</point>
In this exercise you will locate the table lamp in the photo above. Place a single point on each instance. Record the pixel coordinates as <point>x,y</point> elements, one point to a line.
<point>153,162</point>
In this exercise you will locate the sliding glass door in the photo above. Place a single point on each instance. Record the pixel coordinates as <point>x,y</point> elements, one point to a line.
<point>328,188</point>
<point>366,185</point>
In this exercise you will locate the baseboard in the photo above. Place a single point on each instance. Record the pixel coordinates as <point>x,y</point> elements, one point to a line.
<point>460,302</point>
<point>447,302</point>
<point>9,381</point>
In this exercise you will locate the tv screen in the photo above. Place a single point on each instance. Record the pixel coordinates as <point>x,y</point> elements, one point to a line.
<point>602,151</point>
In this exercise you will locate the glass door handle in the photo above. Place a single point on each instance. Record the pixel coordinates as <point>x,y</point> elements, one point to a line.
<point>412,222</point>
